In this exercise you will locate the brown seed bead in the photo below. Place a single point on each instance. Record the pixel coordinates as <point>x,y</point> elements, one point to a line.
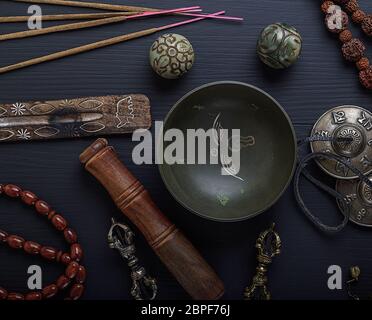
<point>345,36</point>
<point>76,252</point>
<point>32,247</point>
<point>59,222</point>
<point>15,242</point>
<point>42,207</point>
<point>63,282</point>
<point>365,77</point>
<point>51,214</point>
<point>326,5</point>
<point>367,25</point>
<point>3,294</point>
<point>358,16</point>
<point>12,191</point>
<point>3,236</point>
<point>72,270</point>
<point>33,296</point>
<point>76,291</point>
<point>363,64</point>
<point>48,253</point>
<point>81,275</point>
<point>15,296</point>
<point>50,291</point>
<point>66,259</point>
<point>59,255</point>
<point>353,50</point>
<point>70,235</point>
<point>352,6</point>
<point>28,198</point>
<point>1,188</point>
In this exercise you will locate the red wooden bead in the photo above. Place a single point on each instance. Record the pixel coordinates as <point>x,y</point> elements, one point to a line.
<point>32,247</point>
<point>3,236</point>
<point>81,275</point>
<point>15,296</point>
<point>76,291</point>
<point>48,253</point>
<point>70,235</point>
<point>50,291</point>
<point>15,242</point>
<point>34,295</point>
<point>59,222</point>
<point>42,207</point>
<point>76,252</point>
<point>3,294</point>
<point>28,197</point>
<point>12,191</point>
<point>63,282</point>
<point>66,259</point>
<point>72,270</point>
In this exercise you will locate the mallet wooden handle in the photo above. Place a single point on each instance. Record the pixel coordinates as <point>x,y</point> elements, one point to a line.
<point>175,251</point>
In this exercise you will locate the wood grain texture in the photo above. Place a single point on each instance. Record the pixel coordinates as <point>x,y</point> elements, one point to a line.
<point>224,51</point>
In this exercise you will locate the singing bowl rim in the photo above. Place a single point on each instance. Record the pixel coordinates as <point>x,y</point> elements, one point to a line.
<point>290,176</point>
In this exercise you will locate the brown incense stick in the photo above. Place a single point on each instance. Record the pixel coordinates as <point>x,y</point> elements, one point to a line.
<point>61,28</point>
<point>86,24</point>
<point>99,44</point>
<point>62,17</point>
<point>92,5</point>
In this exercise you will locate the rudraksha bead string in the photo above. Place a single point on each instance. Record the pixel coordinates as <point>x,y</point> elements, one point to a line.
<point>75,273</point>
<point>353,49</point>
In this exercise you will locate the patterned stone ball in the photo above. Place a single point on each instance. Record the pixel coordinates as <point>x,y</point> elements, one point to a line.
<point>171,56</point>
<point>279,45</point>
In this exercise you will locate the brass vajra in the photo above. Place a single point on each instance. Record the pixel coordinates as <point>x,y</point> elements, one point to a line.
<point>120,237</point>
<point>268,245</point>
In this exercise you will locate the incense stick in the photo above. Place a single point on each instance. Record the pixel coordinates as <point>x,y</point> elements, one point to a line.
<point>99,44</point>
<point>87,24</point>
<point>92,5</point>
<point>72,16</point>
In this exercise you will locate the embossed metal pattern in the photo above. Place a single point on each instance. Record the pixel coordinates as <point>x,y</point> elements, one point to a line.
<point>359,195</point>
<point>74,117</point>
<point>351,122</point>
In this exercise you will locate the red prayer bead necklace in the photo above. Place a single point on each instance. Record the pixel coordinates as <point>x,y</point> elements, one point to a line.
<point>74,275</point>
<point>353,49</point>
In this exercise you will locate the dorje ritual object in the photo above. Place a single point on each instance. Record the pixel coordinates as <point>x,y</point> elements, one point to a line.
<point>75,273</point>
<point>345,122</point>
<point>353,49</point>
<point>268,245</point>
<point>174,250</point>
<point>73,118</point>
<point>221,191</point>
<point>171,56</point>
<point>279,45</point>
<point>121,238</point>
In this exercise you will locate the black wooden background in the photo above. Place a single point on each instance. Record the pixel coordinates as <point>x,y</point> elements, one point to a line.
<point>224,51</point>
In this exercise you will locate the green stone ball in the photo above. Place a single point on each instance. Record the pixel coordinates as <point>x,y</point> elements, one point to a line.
<point>279,45</point>
<point>171,56</point>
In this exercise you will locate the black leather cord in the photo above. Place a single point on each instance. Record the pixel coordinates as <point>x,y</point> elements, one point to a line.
<point>301,169</point>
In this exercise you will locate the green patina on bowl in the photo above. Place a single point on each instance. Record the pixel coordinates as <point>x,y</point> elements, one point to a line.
<point>267,160</point>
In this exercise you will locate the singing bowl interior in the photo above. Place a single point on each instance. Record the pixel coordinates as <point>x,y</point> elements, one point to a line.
<point>266,167</point>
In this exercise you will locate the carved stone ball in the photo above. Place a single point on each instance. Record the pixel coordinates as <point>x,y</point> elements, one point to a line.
<point>171,56</point>
<point>367,25</point>
<point>353,50</point>
<point>279,45</point>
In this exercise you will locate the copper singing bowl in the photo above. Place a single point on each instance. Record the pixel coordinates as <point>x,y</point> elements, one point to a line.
<point>267,159</point>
